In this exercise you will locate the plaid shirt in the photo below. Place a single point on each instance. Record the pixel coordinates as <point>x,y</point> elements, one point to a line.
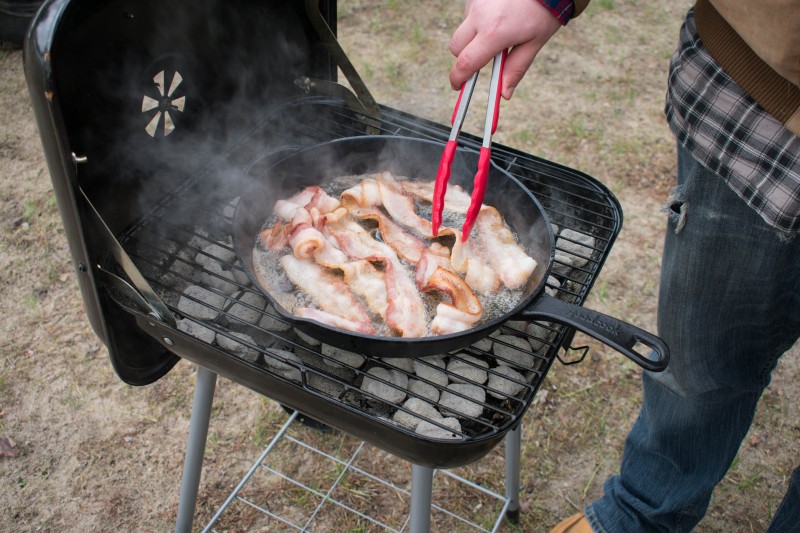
<point>727,132</point>
<point>561,9</point>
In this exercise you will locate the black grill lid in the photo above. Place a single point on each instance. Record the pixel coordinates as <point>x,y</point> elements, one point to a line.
<point>121,88</point>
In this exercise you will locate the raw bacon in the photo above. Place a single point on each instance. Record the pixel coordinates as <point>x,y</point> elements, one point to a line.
<point>308,242</point>
<point>368,282</point>
<point>353,278</point>
<point>408,247</point>
<point>334,320</point>
<point>328,292</point>
<point>405,312</point>
<point>400,206</point>
<point>456,199</point>
<point>501,249</point>
<point>365,194</point>
<point>464,309</point>
<point>477,271</point>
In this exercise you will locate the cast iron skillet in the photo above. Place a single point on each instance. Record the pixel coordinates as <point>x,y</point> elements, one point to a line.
<point>419,159</point>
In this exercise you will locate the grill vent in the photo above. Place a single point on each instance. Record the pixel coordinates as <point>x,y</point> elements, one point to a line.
<point>162,108</point>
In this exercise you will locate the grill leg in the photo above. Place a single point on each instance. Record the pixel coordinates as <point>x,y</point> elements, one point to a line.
<point>513,445</point>
<point>205,384</point>
<point>421,490</point>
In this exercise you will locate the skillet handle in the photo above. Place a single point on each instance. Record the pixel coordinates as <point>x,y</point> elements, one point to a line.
<point>609,330</point>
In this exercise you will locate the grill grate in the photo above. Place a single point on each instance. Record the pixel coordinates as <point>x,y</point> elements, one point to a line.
<point>175,249</point>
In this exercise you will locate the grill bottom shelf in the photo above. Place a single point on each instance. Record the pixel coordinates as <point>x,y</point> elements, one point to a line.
<point>308,479</point>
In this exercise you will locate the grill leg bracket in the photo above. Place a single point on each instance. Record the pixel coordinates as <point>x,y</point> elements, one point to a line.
<point>205,383</point>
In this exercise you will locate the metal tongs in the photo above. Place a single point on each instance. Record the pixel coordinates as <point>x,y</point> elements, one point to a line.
<point>457,120</point>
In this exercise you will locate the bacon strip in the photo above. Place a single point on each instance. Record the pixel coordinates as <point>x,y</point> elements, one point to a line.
<point>406,245</point>
<point>369,283</point>
<point>360,276</point>
<point>322,202</point>
<point>308,198</point>
<point>463,300</point>
<point>365,194</point>
<point>328,292</point>
<point>400,206</point>
<point>405,312</point>
<point>501,250</point>
<point>464,259</point>
<point>334,320</point>
<point>456,199</point>
<point>437,256</point>
<point>286,209</point>
<point>448,319</point>
<point>308,242</point>
<point>305,208</point>
<point>275,238</point>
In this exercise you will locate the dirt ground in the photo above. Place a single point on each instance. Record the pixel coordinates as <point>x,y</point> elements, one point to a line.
<point>82,451</point>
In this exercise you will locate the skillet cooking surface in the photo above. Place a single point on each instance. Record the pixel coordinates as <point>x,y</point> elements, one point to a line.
<point>404,157</point>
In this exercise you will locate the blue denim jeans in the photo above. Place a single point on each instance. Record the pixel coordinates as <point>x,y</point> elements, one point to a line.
<point>729,307</point>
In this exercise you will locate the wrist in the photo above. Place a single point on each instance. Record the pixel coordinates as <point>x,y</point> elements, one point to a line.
<point>561,9</point>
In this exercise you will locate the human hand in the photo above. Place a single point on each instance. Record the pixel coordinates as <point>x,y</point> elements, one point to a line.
<point>491,26</point>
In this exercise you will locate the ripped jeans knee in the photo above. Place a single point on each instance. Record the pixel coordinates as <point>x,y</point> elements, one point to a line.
<point>676,207</point>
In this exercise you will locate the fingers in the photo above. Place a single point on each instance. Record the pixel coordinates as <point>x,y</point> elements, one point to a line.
<point>519,60</point>
<point>472,58</point>
<point>463,35</point>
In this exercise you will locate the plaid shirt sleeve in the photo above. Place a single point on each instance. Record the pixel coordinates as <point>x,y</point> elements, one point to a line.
<point>561,9</point>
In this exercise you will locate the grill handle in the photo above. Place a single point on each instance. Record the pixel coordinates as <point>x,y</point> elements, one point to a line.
<point>145,295</point>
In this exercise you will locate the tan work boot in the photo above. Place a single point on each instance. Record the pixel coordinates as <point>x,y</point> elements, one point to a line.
<point>576,523</point>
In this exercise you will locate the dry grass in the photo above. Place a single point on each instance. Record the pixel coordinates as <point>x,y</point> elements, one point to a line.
<point>98,455</point>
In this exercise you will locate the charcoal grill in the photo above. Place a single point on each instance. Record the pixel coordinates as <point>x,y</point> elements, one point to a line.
<point>152,115</point>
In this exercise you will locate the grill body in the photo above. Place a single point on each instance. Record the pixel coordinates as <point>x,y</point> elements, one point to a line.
<point>156,112</point>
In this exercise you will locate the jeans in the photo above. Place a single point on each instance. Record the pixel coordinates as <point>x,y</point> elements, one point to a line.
<point>729,307</point>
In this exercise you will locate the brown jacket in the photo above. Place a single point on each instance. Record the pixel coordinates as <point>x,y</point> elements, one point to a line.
<point>758,46</point>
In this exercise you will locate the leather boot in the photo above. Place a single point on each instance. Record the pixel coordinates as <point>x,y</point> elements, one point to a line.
<point>576,523</point>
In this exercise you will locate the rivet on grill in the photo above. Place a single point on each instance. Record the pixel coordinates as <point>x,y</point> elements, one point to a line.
<point>168,341</point>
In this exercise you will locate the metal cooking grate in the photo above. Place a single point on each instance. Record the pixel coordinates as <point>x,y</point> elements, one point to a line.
<point>175,249</point>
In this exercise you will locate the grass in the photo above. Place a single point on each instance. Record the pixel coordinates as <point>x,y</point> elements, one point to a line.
<point>265,425</point>
<point>604,5</point>
<point>29,209</point>
<point>31,301</point>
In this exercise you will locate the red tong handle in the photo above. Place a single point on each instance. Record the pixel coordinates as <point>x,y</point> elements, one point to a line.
<point>440,186</point>
<point>478,191</point>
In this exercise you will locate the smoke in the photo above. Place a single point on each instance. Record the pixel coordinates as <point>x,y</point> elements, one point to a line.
<point>158,95</point>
